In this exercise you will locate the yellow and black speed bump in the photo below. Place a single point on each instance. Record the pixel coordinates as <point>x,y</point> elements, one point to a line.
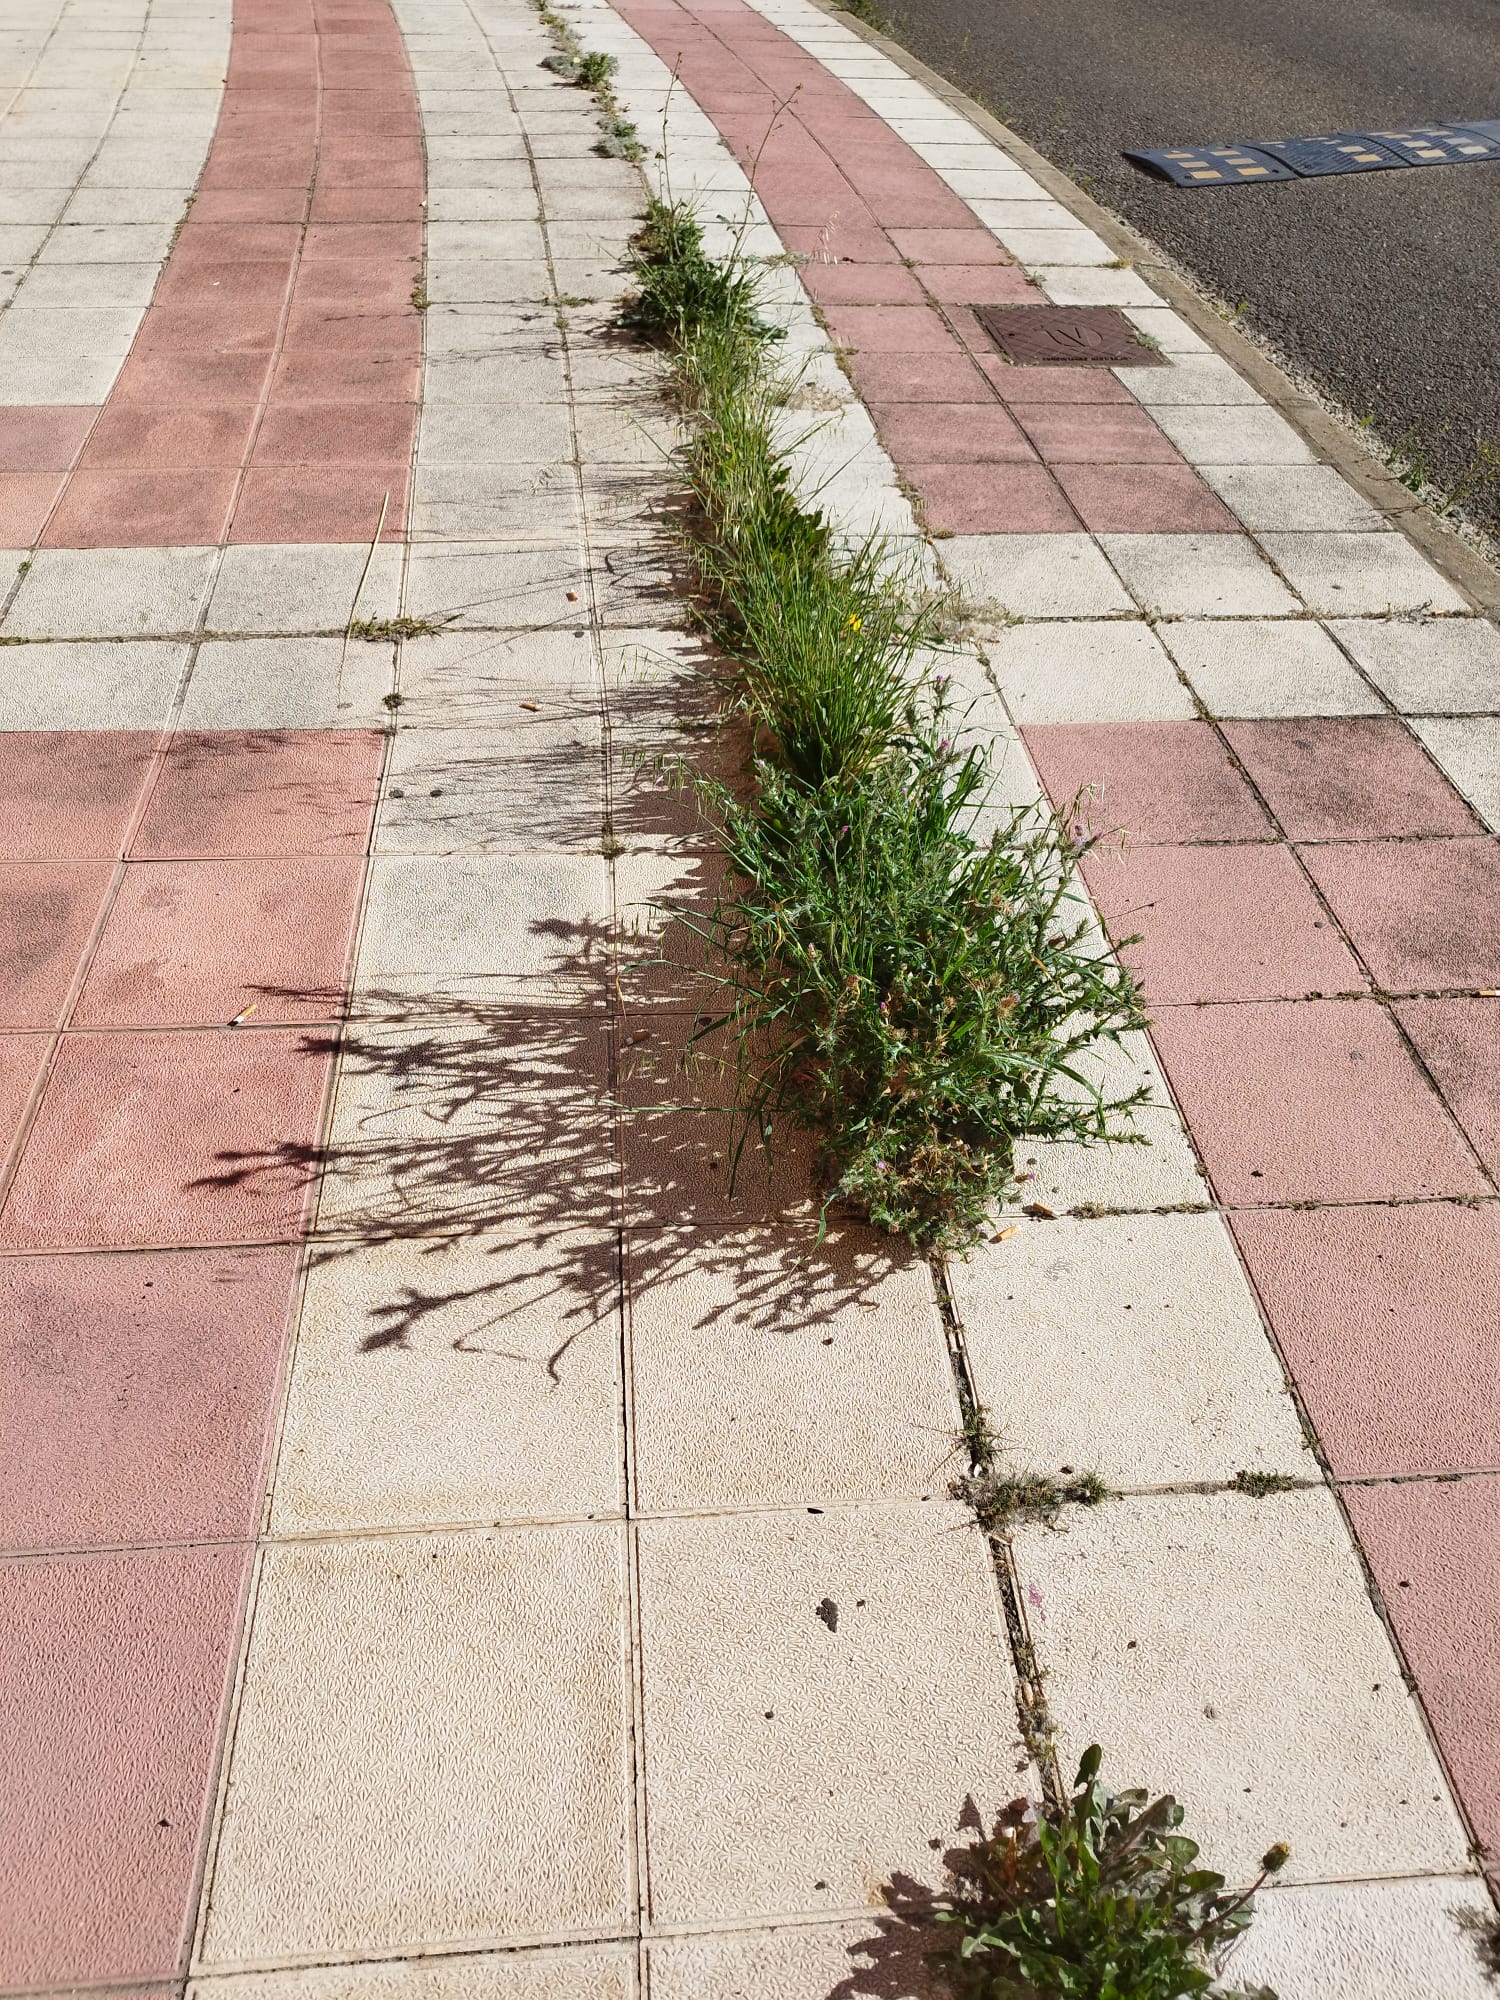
<point>1212,166</point>
<point>1436,145</point>
<point>1333,153</point>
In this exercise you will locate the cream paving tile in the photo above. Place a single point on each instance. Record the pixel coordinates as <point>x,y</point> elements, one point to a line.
<point>1198,576</point>
<point>521,503</point>
<point>115,686</point>
<point>110,593</point>
<point>1428,665</point>
<point>1247,435</point>
<point>397,1713</point>
<point>1033,576</point>
<point>457,434</point>
<point>461,679</point>
<point>822,1693</point>
<point>528,784</point>
<point>490,584</point>
<point>1265,667</point>
<point>1079,285</point>
<point>1130,1346</point>
<point>1200,379</point>
<point>580,1972</point>
<point>1303,498</point>
<point>1468,749</point>
<point>306,587</point>
<point>1400,1940</point>
<point>1344,573</point>
<point>1087,670</point>
<point>446,1382</point>
<point>879,1958</point>
<point>289,684</point>
<point>1168,329</point>
<point>1066,246</point>
<point>766,1373</point>
<point>1261,1688</point>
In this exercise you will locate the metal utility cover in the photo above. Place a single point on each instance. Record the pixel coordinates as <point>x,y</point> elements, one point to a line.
<point>1098,336</point>
<point>1212,166</point>
<point>1333,153</point>
<point>1435,145</point>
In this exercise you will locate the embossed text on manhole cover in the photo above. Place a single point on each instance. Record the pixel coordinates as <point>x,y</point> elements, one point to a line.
<point>1040,334</point>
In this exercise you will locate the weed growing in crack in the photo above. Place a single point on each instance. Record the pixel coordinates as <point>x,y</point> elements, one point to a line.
<point>1102,1900</point>
<point>1003,1500</point>
<point>378,631</point>
<point>1260,1485</point>
<point>591,70</point>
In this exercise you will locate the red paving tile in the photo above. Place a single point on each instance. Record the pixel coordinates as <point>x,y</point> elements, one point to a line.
<point>1422,913</point>
<point>26,499</point>
<point>1221,923</point>
<point>321,503</point>
<point>308,375</point>
<point>245,792</point>
<point>979,284</point>
<point>380,242</point>
<point>43,439</point>
<point>367,204</point>
<point>1315,1100</point>
<point>140,1393</point>
<point>187,508</point>
<point>1144,499</point>
<point>1348,778</point>
<point>839,238</point>
<point>47,914</point>
<point>1386,1317</point>
<point>1033,386</point>
<point>110,1707</point>
<point>188,379</point>
<point>950,433</point>
<point>948,246</point>
<point>919,378</point>
<point>21,1059</point>
<point>988,499</point>
<point>191,943</point>
<point>1156,781</point>
<point>1094,433</point>
<point>162,435</point>
<point>70,794</point>
<point>1435,1550</point>
<point>862,284</point>
<point>336,434</point>
<point>173,1138</point>
<point>1457,1040</point>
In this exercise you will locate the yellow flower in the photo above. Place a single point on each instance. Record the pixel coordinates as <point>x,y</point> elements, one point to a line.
<point>855,624</point>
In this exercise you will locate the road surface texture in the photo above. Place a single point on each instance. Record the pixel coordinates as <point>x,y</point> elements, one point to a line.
<point>1380,288</point>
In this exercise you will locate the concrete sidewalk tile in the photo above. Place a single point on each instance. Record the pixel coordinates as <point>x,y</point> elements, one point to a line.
<point>108,1719</point>
<point>572,1972</point>
<point>783,1655</point>
<point>760,1378</point>
<point>193,943</point>
<point>531,784</point>
<point>1421,913</point>
<point>1054,247</point>
<point>1092,433</point>
<point>1345,1290</point>
<point>462,679</point>
<point>1433,1548</point>
<point>1468,749</point>
<point>491,584</point>
<point>1034,576</point>
<point>1456,1040</point>
<point>1340,574</point>
<point>1307,498</point>
<point>1144,1357</point>
<point>308,588</point>
<point>1260,1689</point>
<point>1347,778</point>
<point>1203,379</point>
<point>1086,670</point>
<point>169,1138</point>
<point>1282,1097</point>
<point>523,503</point>
<point>1198,576</point>
<point>528,927</point>
<point>1158,782</point>
<point>1168,329</point>
<point>991,499</point>
<point>1438,665</point>
<point>48,910</point>
<point>880,1955</point>
<point>119,685</point>
<point>1082,285</point>
<point>141,1393</point>
<point>435,1380</point>
<point>1221,923</point>
<point>1267,667</point>
<point>70,795</point>
<point>501,434</point>
<point>224,793</point>
<point>257,685</point>
<point>1243,435</point>
<point>370,1824</point>
<point>110,593</point>
<point>1402,1940</point>
<point>1160,499</point>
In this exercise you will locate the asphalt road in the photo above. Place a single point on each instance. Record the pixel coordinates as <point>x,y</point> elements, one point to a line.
<point>1383,289</point>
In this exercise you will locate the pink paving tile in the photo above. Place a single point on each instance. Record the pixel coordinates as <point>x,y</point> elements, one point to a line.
<point>1348,778</point>
<point>979,284</point>
<point>110,1708</point>
<point>1435,1552</point>
<point>990,499</point>
<point>1386,1318</point>
<point>948,246</point>
<point>70,794</point>
<point>1155,781</point>
<point>919,378</point>
<point>1422,913</point>
<point>190,379</point>
<point>1310,1100</point>
<point>392,242</point>
<point>890,330</point>
<point>950,433</point>
<point>367,204</point>
<point>250,205</point>
<point>43,439</point>
<point>143,435</point>
<point>840,239</point>
<point>323,326</point>
<point>1457,1040</point>
<point>239,326</point>
<point>193,1136</point>
<point>47,914</point>
<point>1094,433</point>
<point>192,943</point>
<point>1221,923</point>
<point>186,508</point>
<point>1032,386</point>
<point>1144,499</point>
<point>321,503</point>
<point>234,243</point>
<point>358,285</point>
<point>228,793</point>
<point>861,284</point>
<point>377,433</point>
<point>310,375</point>
<point>140,1393</point>
<point>26,499</point>
<point>248,288</point>
<point>21,1059</point>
